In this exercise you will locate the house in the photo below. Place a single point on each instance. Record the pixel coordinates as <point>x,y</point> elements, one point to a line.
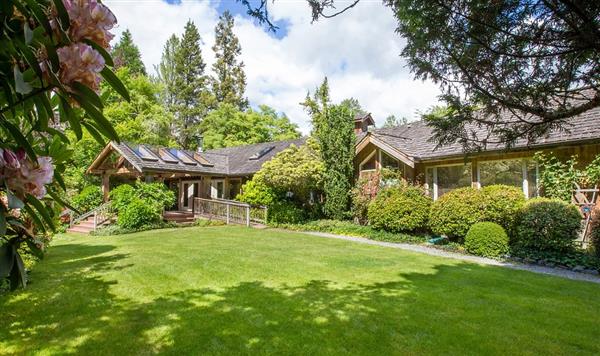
<point>217,174</point>
<point>409,149</point>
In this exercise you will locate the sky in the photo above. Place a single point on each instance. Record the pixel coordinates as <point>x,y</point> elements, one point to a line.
<point>358,51</point>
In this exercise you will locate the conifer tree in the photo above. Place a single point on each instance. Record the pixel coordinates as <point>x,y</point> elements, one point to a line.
<point>127,54</point>
<point>166,72</point>
<point>189,86</point>
<point>229,82</point>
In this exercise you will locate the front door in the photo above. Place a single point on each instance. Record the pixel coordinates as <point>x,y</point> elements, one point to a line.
<point>189,191</point>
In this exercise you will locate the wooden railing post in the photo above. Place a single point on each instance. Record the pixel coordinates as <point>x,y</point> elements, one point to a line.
<point>248,215</point>
<point>228,210</point>
<point>95,220</point>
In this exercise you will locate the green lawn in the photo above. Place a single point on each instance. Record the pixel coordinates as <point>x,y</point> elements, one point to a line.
<point>232,290</point>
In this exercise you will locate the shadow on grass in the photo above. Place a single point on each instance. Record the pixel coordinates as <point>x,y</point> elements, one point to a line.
<point>450,310</point>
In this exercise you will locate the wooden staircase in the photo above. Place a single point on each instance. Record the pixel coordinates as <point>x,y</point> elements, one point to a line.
<point>84,226</point>
<point>90,221</point>
<point>179,217</point>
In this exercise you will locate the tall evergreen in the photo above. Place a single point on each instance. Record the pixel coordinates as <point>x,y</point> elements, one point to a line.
<point>229,82</point>
<point>166,72</point>
<point>127,54</point>
<point>333,128</point>
<point>190,86</point>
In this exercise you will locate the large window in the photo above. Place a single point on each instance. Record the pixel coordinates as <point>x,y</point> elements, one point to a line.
<point>370,163</point>
<point>389,162</point>
<point>518,173</point>
<point>441,180</point>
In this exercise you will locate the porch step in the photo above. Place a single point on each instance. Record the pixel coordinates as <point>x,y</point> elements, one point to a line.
<point>85,226</point>
<point>179,217</point>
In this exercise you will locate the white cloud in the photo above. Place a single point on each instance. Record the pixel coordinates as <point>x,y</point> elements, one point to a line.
<point>358,51</point>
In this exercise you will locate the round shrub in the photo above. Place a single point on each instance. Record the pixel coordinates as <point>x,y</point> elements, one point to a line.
<point>398,209</point>
<point>455,212</point>
<point>285,212</point>
<point>138,213</point>
<point>121,196</point>
<point>487,239</point>
<point>546,225</point>
<point>88,199</point>
<point>502,203</point>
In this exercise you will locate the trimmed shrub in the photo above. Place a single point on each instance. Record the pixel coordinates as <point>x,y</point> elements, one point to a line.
<point>400,209</point>
<point>487,239</point>
<point>285,212</point>
<point>88,199</point>
<point>502,203</point>
<point>121,196</point>
<point>455,212</point>
<point>138,213</point>
<point>546,225</point>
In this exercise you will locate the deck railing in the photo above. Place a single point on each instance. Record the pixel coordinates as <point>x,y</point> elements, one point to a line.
<point>230,211</point>
<point>101,214</point>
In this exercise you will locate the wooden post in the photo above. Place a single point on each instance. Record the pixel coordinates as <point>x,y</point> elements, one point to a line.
<point>105,186</point>
<point>227,218</point>
<point>248,216</point>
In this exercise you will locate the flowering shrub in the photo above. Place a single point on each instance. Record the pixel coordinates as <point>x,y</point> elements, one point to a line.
<point>53,55</point>
<point>362,194</point>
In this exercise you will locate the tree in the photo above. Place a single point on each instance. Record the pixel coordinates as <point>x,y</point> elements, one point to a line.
<point>166,72</point>
<point>229,83</point>
<point>333,129</point>
<point>516,69</point>
<point>126,53</point>
<point>392,121</point>
<point>52,62</point>
<point>190,87</point>
<point>226,126</point>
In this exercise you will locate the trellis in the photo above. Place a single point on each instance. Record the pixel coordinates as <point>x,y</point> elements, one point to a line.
<point>586,199</point>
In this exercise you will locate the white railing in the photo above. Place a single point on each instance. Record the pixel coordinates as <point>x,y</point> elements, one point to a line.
<point>230,211</point>
<point>101,214</point>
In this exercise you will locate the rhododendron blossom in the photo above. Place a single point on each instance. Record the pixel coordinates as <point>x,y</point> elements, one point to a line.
<point>23,176</point>
<point>90,20</point>
<point>81,63</point>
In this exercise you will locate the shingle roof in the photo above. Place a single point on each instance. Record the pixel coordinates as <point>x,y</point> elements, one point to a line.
<point>231,161</point>
<point>414,138</point>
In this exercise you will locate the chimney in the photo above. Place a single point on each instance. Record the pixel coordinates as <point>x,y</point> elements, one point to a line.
<point>199,143</point>
<point>362,122</point>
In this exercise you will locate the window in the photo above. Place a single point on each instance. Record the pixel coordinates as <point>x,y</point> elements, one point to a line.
<point>234,188</point>
<point>389,162</point>
<point>217,189</point>
<point>516,172</point>
<point>441,180</point>
<point>370,163</point>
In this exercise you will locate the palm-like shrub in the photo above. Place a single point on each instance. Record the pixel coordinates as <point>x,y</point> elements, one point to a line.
<point>400,208</point>
<point>487,239</point>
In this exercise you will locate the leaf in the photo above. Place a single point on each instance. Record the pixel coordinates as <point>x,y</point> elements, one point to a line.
<point>59,179</point>
<point>62,202</point>
<point>57,133</point>
<point>88,94</point>
<point>21,86</point>
<point>18,275</point>
<point>2,224</point>
<point>13,201</point>
<point>71,118</point>
<point>107,57</point>
<point>35,250</point>
<point>41,209</point>
<point>39,15</point>
<point>104,125</point>
<point>35,218</point>
<point>94,132</point>
<point>7,259</point>
<point>63,15</point>
<point>18,136</point>
<point>28,33</point>
<point>115,82</point>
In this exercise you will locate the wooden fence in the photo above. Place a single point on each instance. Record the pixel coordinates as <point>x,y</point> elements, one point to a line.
<point>232,212</point>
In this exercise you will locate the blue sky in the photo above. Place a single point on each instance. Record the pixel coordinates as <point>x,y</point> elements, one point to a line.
<point>359,52</point>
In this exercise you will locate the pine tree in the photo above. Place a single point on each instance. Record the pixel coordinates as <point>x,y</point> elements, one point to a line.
<point>166,72</point>
<point>127,54</point>
<point>229,83</point>
<point>189,86</point>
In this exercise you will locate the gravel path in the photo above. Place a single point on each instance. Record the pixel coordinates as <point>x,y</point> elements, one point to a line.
<point>559,272</point>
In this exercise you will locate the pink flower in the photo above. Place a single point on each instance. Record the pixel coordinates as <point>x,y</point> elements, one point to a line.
<point>25,176</point>
<point>80,63</point>
<point>90,20</point>
<point>12,160</point>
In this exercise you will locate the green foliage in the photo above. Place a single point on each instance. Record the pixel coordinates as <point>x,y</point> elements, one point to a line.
<point>257,193</point>
<point>502,203</point>
<point>595,232</point>
<point>229,83</point>
<point>558,178</point>
<point>126,54</point>
<point>546,225</point>
<point>227,126</point>
<point>121,196</point>
<point>333,128</point>
<point>138,213</point>
<point>285,212</point>
<point>344,227</point>
<point>115,229</point>
<point>88,199</point>
<point>400,209</point>
<point>487,239</point>
<point>364,191</point>
<point>392,121</point>
<point>156,193</point>
<point>455,212</point>
<point>208,222</point>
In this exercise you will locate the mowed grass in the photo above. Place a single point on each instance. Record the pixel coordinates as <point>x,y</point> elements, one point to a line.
<point>233,290</point>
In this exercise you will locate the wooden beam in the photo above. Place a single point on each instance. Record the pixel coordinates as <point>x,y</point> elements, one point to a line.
<point>105,186</point>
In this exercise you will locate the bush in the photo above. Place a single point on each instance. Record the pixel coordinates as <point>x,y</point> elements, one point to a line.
<point>364,191</point>
<point>546,225</point>
<point>487,239</point>
<point>121,196</point>
<point>595,232</point>
<point>285,212</point>
<point>257,193</point>
<point>502,204</point>
<point>157,193</point>
<point>88,199</point>
<point>399,209</point>
<point>455,212</point>
<point>138,213</point>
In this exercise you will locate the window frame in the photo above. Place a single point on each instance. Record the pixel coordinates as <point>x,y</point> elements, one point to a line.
<point>434,176</point>
<point>366,160</point>
<point>524,180</point>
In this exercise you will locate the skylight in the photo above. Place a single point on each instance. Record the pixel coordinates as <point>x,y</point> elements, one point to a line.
<point>183,157</point>
<point>261,153</point>
<point>145,153</point>
<point>166,156</point>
